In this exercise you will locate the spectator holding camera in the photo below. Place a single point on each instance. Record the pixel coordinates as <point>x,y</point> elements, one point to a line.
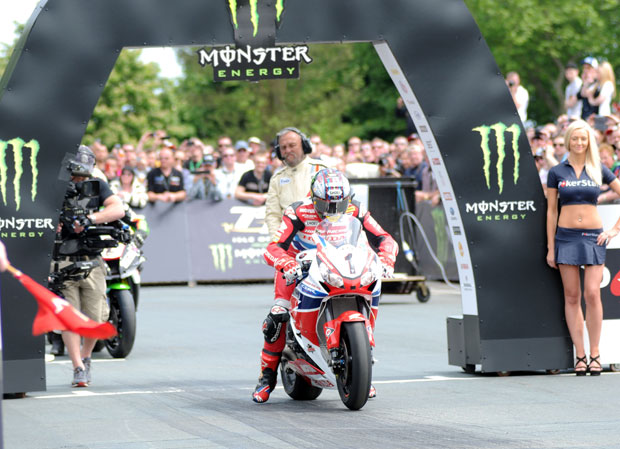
<point>387,166</point>
<point>165,183</point>
<point>196,154</point>
<point>254,184</point>
<point>203,185</point>
<point>520,95</point>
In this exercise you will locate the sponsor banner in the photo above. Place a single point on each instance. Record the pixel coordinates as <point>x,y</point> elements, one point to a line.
<point>19,185</point>
<point>254,64</point>
<point>440,173</point>
<point>212,242</point>
<point>500,157</point>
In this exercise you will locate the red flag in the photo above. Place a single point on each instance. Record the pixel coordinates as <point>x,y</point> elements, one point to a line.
<point>56,313</point>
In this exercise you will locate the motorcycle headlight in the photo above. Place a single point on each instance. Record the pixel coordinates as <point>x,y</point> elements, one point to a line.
<point>329,277</point>
<point>367,278</point>
<point>335,280</point>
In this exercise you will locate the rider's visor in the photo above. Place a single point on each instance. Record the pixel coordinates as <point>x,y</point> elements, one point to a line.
<point>324,207</point>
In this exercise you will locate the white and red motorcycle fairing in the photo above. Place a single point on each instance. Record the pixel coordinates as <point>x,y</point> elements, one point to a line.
<point>333,312</point>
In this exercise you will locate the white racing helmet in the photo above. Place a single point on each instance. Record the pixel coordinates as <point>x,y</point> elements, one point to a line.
<point>331,192</point>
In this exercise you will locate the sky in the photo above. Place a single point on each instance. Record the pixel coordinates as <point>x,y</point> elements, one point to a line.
<point>21,10</point>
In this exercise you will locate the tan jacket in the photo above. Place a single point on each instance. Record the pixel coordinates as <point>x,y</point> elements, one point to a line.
<point>288,185</point>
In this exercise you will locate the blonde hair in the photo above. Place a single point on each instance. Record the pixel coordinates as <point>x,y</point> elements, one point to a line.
<point>593,158</point>
<point>606,73</point>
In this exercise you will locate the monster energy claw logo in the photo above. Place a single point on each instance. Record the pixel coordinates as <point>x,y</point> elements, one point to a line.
<point>222,256</point>
<point>499,129</point>
<point>18,146</point>
<point>254,16</point>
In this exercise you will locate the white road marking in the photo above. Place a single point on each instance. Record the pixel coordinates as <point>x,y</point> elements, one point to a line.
<point>89,393</point>
<point>86,393</point>
<point>68,362</point>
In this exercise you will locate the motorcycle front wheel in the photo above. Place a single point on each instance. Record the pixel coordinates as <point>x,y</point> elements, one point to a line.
<point>123,317</point>
<point>355,377</point>
<point>296,386</point>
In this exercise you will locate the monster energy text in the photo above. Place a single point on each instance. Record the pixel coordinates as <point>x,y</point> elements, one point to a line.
<point>24,227</point>
<point>500,210</point>
<point>18,146</point>
<point>254,64</point>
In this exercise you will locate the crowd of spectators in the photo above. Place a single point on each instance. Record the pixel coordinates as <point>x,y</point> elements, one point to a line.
<point>157,169</point>
<point>589,95</point>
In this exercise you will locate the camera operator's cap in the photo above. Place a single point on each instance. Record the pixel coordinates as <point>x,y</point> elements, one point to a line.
<point>241,145</point>
<point>254,139</point>
<point>208,160</point>
<point>591,61</point>
<point>571,65</point>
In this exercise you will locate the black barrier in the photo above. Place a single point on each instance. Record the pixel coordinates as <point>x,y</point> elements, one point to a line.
<point>468,122</point>
<point>201,241</point>
<point>205,242</point>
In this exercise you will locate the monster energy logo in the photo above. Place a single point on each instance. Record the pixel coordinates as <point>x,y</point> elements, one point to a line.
<point>499,129</point>
<point>254,16</point>
<point>222,256</point>
<point>18,146</point>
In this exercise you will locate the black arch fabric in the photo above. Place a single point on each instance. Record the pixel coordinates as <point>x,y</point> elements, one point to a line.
<point>458,100</point>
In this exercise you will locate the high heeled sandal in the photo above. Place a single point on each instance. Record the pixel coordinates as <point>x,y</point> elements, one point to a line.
<point>584,360</point>
<point>595,372</point>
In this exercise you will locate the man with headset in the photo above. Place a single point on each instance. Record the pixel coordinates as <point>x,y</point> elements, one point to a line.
<point>292,182</point>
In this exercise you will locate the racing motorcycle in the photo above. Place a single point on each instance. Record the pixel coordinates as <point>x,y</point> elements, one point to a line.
<point>124,263</point>
<point>333,311</point>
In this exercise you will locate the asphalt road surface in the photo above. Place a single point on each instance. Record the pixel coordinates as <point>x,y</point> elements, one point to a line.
<point>188,381</point>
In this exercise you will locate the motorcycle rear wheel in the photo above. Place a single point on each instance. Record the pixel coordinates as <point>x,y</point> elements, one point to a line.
<point>123,317</point>
<point>356,375</point>
<point>296,386</point>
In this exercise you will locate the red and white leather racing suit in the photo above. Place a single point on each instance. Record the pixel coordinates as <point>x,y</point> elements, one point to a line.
<point>294,235</point>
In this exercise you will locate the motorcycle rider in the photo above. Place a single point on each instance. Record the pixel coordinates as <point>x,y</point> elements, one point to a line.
<point>87,295</point>
<point>330,196</point>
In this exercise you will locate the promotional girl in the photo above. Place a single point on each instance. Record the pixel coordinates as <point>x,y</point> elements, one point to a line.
<point>577,237</point>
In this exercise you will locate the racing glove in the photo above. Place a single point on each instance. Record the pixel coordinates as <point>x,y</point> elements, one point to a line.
<point>388,267</point>
<point>290,268</point>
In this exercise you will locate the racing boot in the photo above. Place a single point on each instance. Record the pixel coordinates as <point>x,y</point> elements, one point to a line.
<point>268,376</point>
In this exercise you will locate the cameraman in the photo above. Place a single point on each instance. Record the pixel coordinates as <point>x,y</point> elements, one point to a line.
<point>87,295</point>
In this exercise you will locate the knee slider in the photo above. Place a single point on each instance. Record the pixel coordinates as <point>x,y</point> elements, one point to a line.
<point>273,324</point>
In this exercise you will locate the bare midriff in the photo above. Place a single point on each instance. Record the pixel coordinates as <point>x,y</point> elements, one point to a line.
<point>580,216</point>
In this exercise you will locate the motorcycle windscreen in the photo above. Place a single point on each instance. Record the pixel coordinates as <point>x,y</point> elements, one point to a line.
<point>339,230</point>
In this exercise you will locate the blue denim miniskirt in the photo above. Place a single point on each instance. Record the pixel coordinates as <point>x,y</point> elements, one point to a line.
<point>578,247</point>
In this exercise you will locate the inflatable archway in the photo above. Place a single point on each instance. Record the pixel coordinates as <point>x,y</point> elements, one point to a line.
<point>442,67</point>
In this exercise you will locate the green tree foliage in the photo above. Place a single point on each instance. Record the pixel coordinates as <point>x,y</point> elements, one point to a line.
<point>135,100</point>
<point>335,97</point>
<point>538,37</point>
<point>7,49</point>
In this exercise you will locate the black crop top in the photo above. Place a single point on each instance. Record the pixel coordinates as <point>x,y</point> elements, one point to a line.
<point>576,191</point>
